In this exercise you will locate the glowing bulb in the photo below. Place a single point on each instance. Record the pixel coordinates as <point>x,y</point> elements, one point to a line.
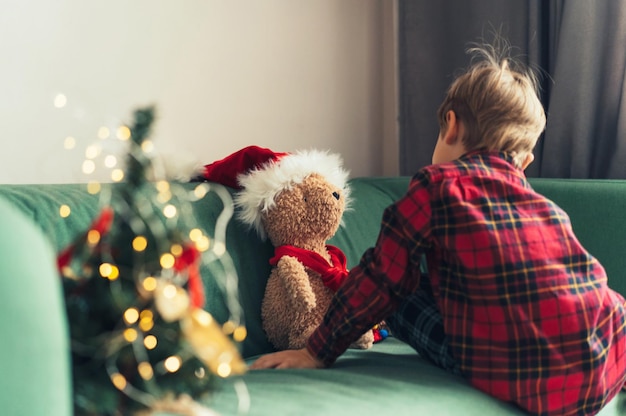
<point>118,381</point>
<point>163,186</point>
<point>104,133</point>
<point>170,291</point>
<point>105,269</point>
<point>109,271</point>
<point>60,101</point>
<point>146,324</point>
<point>65,211</point>
<point>167,261</point>
<point>228,327</point>
<point>176,250</point>
<point>224,370</point>
<point>110,161</point>
<point>169,211</point>
<point>89,167</point>
<point>240,334</point>
<point>131,315</point>
<point>93,187</point>
<point>117,175</point>
<point>201,190</point>
<point>130,334</point>
<point>93,237</point>
<point>195,234</point>
<point>123,133</point>
<point>149,283</point>
<point>202,244</point>
<point>115,273</point>
<point>145,370</point>
<point>147,146</point>
<point>140,243</point>
<point>92,151</point>
<point>69,142</point>
<point>173,363</point>
<point>150,342</point>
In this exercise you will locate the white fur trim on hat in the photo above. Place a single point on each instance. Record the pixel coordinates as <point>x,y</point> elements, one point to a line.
<point>261,186</point>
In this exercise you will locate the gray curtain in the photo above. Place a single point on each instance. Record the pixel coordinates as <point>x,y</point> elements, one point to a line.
<point>586,131</point>
<point>579,46</point>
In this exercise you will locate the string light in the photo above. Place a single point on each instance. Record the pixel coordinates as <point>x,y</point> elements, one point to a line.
<point>89,167</point>
<point>110,161</point>
<point>140,243</point>
<point>130,334</point>
<point>150,342</point>
<point>119,381</point>
<point>69,143</point>
<point>176,250</point>
<point>167,261</point>
<point>195,234</point>
<point>104,133</point>
<point>224,370</point>
<point>169,211</point>
<point>150,283</point>
<point>131,315</point>
<point>123,133</point>
<point>147,147</point>
<point>93,187</point>
<point>201,190</point>
<point>145,370</point>
<point>117,175</point>
<point>240,334</point>
<point>60,101</point>
<point>92,151</point>
<point>65,211</point>
<point>93,237</point>
<point>172,363</point>
<point>161,296</point>
<point>109,271</point>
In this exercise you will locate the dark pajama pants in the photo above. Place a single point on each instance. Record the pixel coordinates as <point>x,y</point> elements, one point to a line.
<point>419,323</point>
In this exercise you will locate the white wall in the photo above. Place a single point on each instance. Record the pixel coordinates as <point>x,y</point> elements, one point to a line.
<point>223,74</point>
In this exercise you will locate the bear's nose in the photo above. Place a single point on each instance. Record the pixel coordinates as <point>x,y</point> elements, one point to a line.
<point>336,195</point>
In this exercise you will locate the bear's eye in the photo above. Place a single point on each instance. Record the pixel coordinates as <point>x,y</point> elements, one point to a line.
<point>304,198</point>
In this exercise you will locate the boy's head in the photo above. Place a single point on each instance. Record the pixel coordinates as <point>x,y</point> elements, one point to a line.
<point>496,104</point>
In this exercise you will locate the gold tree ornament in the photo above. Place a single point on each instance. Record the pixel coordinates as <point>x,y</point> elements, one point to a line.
<point>211,345</point>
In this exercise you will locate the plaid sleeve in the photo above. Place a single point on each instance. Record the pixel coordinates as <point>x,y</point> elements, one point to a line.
<point>386,273</point>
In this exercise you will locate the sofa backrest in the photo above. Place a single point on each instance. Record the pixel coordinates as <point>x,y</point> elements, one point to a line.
<point>595,208</point>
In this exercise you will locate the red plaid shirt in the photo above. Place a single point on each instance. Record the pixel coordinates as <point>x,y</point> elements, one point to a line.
<point>526,308</point>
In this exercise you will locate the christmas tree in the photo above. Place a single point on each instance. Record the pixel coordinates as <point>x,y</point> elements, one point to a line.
<point>140,337</point>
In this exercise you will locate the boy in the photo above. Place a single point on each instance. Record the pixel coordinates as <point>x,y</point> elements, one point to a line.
<point>512,301</point>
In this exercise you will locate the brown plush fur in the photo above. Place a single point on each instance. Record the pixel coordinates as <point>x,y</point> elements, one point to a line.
<point>295,300</point>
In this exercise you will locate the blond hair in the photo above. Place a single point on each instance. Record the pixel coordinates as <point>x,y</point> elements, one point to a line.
<point>497,102</point>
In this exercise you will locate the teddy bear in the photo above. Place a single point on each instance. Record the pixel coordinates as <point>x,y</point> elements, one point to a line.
<point>297,201</point>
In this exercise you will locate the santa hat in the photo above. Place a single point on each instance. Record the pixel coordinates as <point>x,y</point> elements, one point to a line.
<point>260,175</point>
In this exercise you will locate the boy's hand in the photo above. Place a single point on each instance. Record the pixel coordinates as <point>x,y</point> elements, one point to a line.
<point>287,359</point>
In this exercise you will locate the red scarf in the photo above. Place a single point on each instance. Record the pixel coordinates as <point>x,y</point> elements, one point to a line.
<point>333,273</point>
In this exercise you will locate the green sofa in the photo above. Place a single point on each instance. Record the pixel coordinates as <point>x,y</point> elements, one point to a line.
<point>387,379</point>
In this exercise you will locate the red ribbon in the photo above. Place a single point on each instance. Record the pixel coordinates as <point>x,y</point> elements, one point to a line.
<point>333,274</point>
<point>102,225</point>
<point>189,259</point>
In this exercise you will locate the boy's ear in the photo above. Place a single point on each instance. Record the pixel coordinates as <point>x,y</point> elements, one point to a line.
<point>451,133</point>
<point>528,160</point>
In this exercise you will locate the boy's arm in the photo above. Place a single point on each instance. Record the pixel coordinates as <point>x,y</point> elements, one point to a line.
<point>287,359</point>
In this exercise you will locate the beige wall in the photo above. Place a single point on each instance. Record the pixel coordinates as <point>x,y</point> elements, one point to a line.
<point>224,74</point>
